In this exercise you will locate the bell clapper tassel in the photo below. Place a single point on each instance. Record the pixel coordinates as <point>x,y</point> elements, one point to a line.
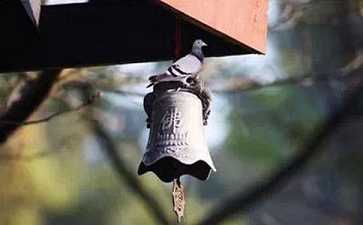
<point>178,198</point>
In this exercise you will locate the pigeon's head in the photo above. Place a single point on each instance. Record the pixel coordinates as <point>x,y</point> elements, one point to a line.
<point>199,44</point>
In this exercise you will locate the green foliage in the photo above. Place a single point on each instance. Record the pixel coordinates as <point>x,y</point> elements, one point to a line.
<point>271,123</point>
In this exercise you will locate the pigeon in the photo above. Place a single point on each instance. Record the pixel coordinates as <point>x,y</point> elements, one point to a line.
<point>186,67</point>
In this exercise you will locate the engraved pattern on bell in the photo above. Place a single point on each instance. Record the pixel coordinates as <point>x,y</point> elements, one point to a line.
<point>177,144</point>
<point>171,133</point>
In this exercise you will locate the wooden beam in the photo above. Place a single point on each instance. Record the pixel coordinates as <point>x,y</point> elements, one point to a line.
<point>100,33</point>
<point>32,8</point>
<point>244,22</point>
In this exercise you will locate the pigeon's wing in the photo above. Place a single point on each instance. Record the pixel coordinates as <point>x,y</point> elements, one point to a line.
<point>187,65</point>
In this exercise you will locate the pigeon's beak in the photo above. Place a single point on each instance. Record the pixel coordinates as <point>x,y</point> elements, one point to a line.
<point>204,44</point>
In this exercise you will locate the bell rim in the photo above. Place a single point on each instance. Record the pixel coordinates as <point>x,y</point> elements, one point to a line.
<point>206,158</point>
<point>154,166</point>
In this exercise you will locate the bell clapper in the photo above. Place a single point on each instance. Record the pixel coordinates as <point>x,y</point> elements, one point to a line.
<point>178,198</point>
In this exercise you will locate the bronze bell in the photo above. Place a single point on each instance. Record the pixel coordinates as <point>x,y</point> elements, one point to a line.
<point>176,144</point>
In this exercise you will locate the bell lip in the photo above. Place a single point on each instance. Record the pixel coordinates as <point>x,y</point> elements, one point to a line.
<point>207,159</point>
<point>202,172</point>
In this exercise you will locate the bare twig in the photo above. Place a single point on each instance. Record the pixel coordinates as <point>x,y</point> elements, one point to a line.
<point>245,200</point>
<point>243,85</point>
<point>123,172</point>
<point>32,95</point>
<point>239,85</point>
<point>90,101</point>
<point>125,92</point>
<point>234,85</point>
<point>42,154</point>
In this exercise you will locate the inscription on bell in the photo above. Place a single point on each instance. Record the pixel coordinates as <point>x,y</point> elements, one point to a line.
<point>172,132</point>
<point>171,121</point>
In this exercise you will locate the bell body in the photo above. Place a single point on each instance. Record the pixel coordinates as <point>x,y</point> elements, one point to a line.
<point>177,144</point>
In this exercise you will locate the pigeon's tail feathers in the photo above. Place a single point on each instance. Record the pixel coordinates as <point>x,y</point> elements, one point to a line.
<point>149,85</point>
<point>155,79</point>
<point>152,79</point>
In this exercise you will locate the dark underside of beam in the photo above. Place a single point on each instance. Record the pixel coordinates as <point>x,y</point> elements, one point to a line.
<point>91,34</point>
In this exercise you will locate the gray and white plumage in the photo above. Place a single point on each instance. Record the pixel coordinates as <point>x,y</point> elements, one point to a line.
<point>185,67</point>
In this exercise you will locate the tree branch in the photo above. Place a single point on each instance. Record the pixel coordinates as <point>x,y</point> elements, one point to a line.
<point>124,174</point>
<point>242,85</point>
<point>90,101</point>
<point>245,200</point>
<point>32,95</point>
<point>125,92</point>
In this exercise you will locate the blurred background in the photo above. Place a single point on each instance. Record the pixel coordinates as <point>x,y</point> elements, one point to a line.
<point>264,108</point>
